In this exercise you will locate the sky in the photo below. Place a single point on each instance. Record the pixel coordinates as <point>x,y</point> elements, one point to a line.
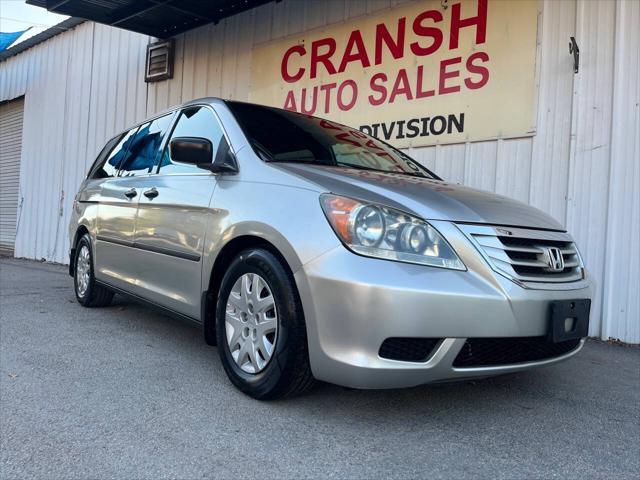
<point>16,15</point>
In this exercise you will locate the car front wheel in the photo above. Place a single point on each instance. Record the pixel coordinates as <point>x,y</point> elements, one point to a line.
<point>260,328</point>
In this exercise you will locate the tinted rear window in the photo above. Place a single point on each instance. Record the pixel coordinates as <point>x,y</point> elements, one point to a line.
<point>144,147</point>
<point>103,155</point>
<point>109,167</point>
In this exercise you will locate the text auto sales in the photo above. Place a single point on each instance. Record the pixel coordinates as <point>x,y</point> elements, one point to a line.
<point>301,63</point>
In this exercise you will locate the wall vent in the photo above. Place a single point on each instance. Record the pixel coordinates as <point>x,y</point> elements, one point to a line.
<point>159,65</point>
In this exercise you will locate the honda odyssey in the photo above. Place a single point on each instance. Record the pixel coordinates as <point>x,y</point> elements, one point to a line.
<point>307,250</point>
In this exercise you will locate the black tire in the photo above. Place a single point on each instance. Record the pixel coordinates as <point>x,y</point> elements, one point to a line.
<point>288,372</point>
<point>95,295</point>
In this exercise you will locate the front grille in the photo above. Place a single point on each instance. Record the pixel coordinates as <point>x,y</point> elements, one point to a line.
<point>525,255</point>
<point>408,349</point>
<point>484,352</point>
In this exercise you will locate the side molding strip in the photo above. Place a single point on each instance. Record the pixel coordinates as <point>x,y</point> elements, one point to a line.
<point>193,257</point>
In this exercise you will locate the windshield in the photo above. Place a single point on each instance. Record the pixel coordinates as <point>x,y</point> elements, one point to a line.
<point>282,136</point>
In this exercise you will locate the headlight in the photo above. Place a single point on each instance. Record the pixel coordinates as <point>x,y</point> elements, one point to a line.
<point>382,232</point>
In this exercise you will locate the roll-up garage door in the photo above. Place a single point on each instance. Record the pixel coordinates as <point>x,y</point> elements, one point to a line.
<point>11,114</point>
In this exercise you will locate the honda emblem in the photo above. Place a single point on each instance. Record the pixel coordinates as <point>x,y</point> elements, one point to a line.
<point>554,259</point>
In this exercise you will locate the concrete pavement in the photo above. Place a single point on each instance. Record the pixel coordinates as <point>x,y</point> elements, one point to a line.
<point>124,392</point>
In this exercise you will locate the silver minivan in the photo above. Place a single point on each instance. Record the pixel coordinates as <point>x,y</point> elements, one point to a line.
<point>307,250</point>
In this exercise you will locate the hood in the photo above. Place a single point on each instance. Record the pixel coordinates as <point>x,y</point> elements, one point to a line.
<point>426,198</point>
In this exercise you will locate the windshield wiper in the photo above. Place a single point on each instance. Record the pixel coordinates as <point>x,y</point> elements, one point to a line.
<point>362,167</point>
<point>341,165</point>
<point>302,162</point>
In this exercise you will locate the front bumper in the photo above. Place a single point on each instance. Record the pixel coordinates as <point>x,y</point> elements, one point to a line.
<point>353,303</point>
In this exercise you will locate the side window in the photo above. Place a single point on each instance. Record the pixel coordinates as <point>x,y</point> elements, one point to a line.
<point>144,147</point>
<point>193,122</point>
<point>102,156</point>
<point>109,167</point>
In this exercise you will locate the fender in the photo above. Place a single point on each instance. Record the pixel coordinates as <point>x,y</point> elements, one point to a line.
<point>253,229</point>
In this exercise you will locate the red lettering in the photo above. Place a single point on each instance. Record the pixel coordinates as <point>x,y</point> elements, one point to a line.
<point>372,144</point>
<point>303,107</point>
<point>342,105</point>
<point>299,49</point>
<point>290,102</point>
<point>395,46</point>
<point>478,69</point>
<point>360,53</point>
<point>345,137</point>
<point>420,93</point>
<point>381,89</point>
<point>328,125</point>
<point>445,75</point>
<point>421,30</point>
<point>326,89</point>
<point>401,86</point>
<point>457,23</point>
<point>323,58</point>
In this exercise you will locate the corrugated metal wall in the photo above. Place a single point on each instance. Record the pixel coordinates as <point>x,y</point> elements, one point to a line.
<point>582,166</point>
<point>621,281</point>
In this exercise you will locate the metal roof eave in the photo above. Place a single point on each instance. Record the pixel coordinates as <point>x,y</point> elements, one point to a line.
<point>156,18</point>
<point>50,32</point>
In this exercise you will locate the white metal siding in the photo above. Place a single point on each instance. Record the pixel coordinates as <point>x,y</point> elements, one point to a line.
<point>11,114</point>
<point>621,281</point>
<point>588,184</point>
<point>581,166</point>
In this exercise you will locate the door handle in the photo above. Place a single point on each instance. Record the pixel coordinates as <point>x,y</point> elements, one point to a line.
<point>130,193</point>
<point>151,193</point>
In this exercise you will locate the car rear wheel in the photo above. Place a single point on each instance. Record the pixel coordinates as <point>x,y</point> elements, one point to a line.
<point>88,293</point>
<point>260,328</point>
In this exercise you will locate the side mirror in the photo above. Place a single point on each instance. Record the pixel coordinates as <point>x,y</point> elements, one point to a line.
<point>198,151</point>
<point>191,150</point>
<point>228,165</point>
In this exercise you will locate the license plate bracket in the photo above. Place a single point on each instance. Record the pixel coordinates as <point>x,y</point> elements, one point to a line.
<point>569,320</point>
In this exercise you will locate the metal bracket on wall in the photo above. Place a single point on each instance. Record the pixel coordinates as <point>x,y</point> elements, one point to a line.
<point>573,49</point>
